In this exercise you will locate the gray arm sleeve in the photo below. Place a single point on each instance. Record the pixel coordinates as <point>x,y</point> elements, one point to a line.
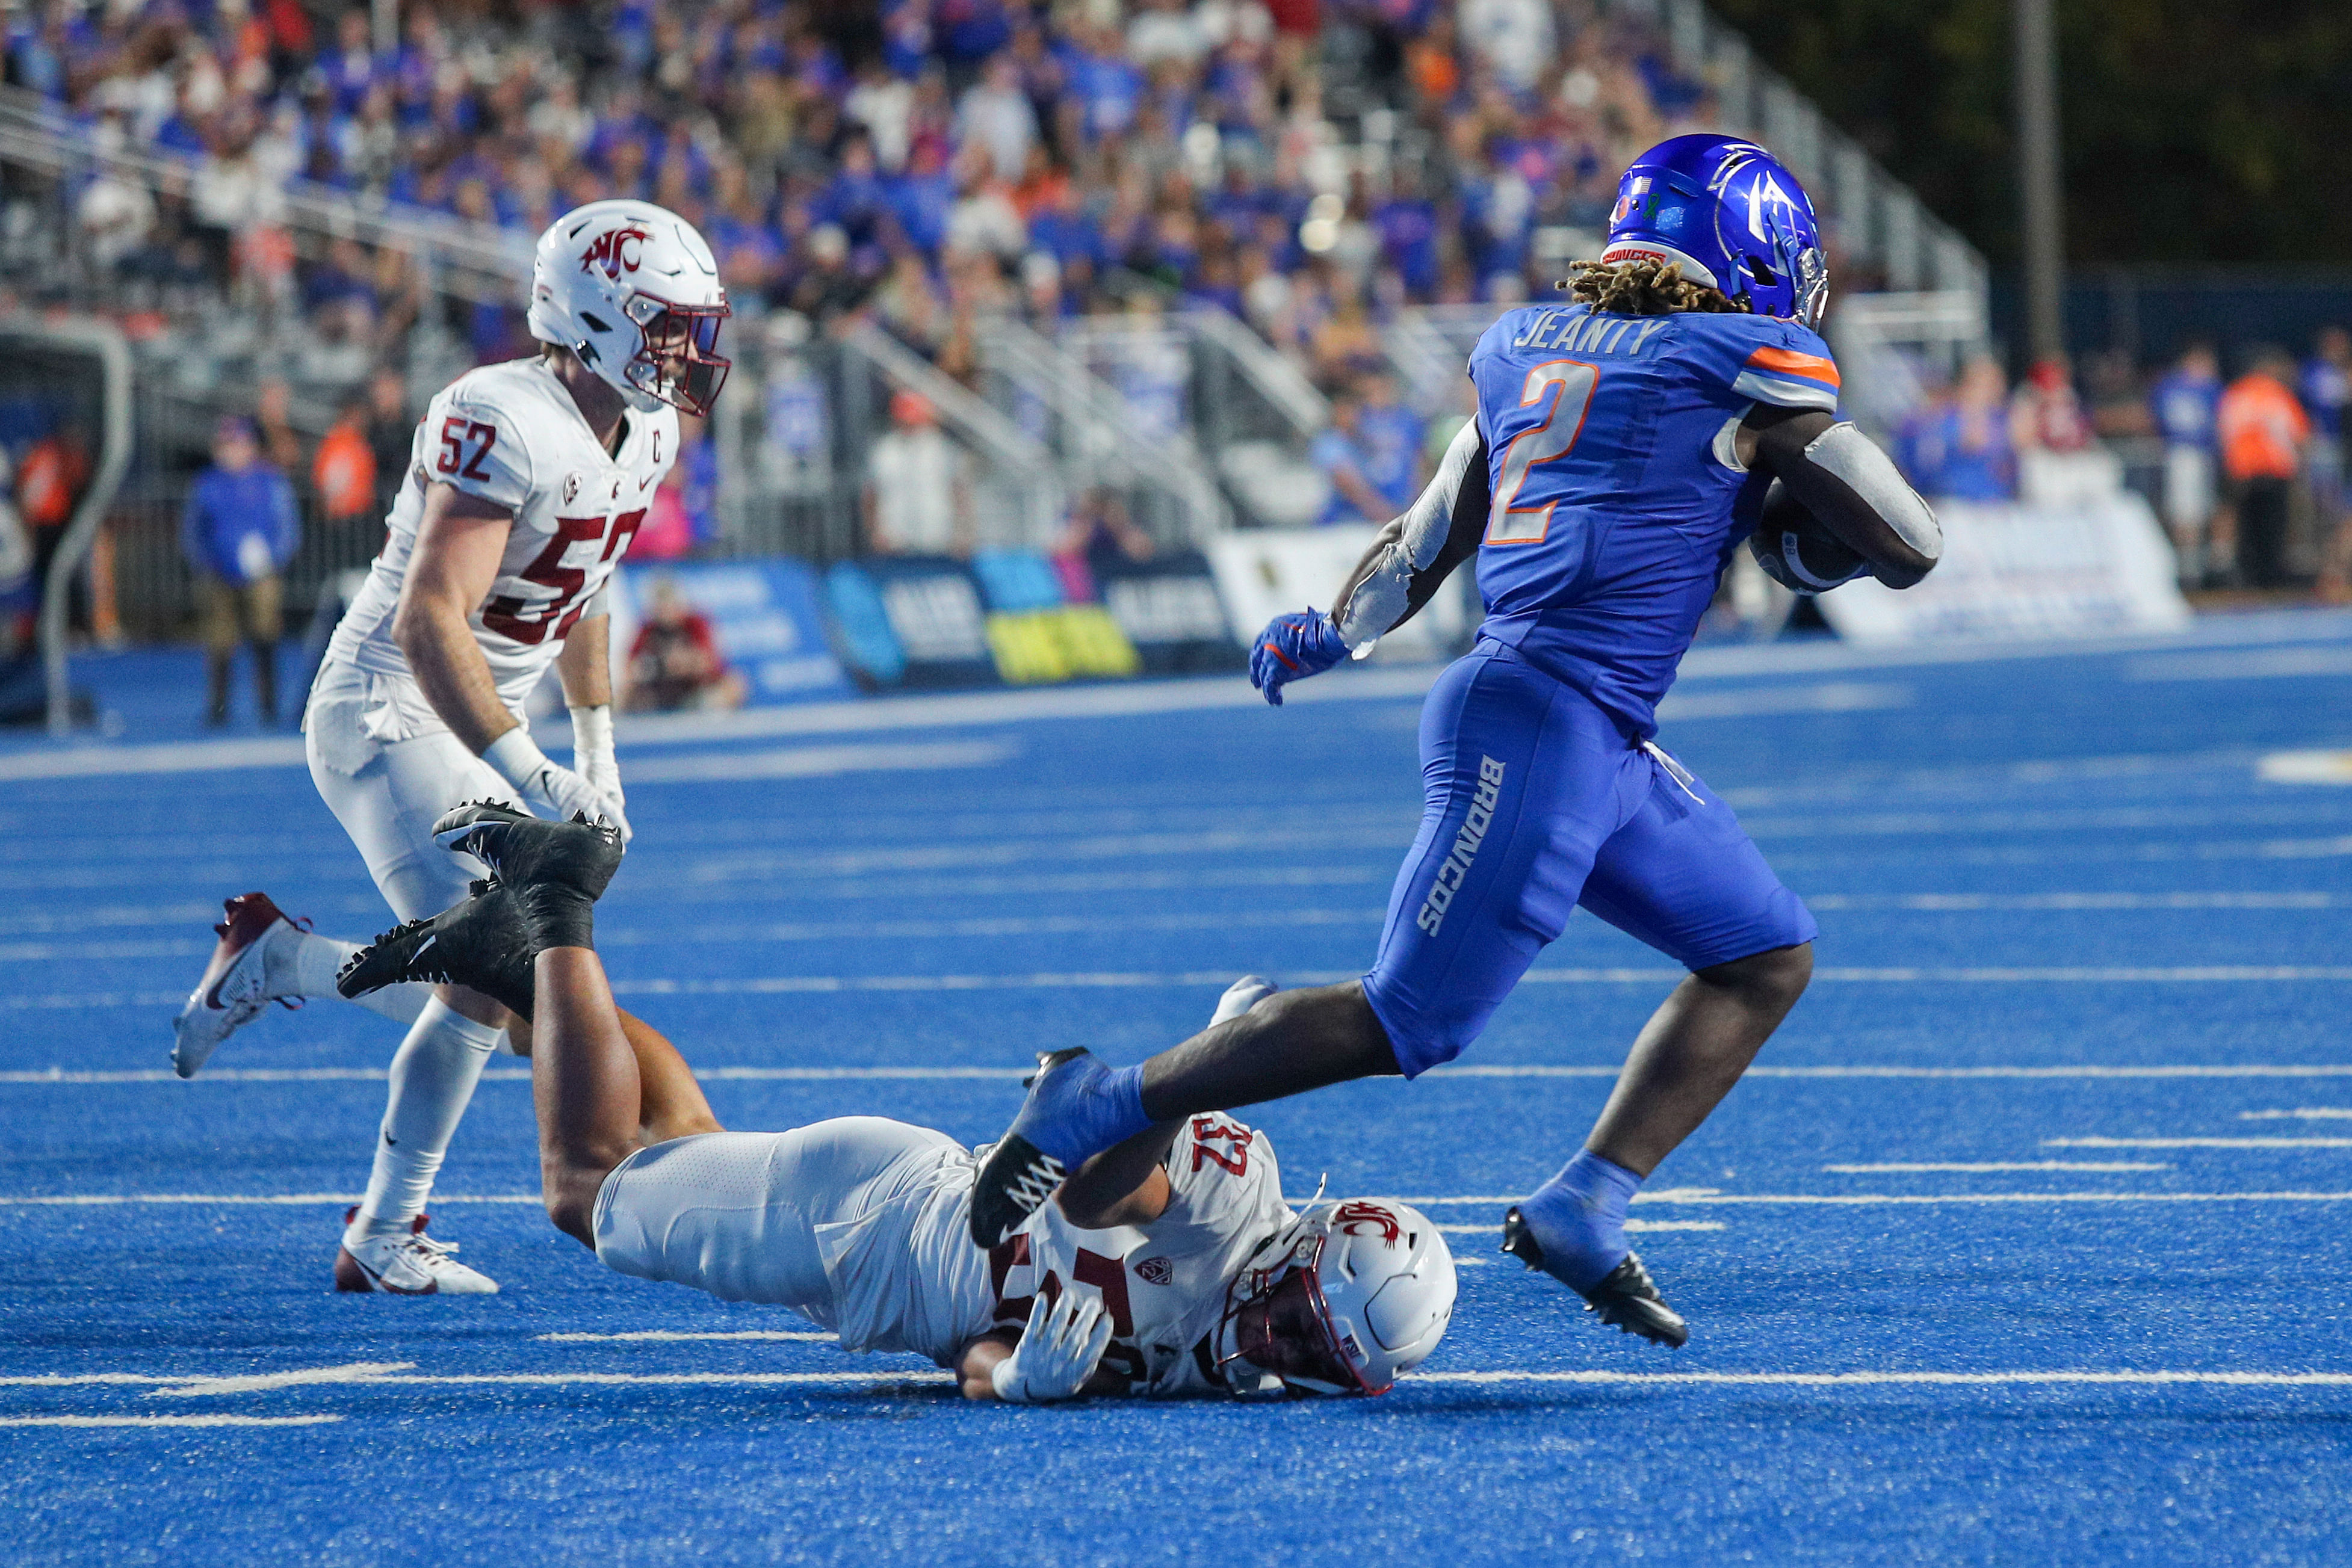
<point>1854,460</point>
<point>1382,599</point>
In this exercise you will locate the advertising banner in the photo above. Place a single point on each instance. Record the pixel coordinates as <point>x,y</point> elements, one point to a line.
<point>1170,610</point>
<point>720,635</point>
<point>2091,567</point>
<point>911,620</point>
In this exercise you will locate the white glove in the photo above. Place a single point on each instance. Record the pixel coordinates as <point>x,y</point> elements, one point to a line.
<point>549,788</point>
<point>1058,1352</point>
<point>592,755</point>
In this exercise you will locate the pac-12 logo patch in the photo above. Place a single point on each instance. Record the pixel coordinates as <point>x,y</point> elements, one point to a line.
<point>616,251</point>
<point>1155,1270</point>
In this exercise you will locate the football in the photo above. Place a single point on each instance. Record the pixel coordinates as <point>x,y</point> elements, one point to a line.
<point>1796,550</point>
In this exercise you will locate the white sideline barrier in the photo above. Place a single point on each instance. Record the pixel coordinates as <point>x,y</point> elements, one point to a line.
<point>2094,567</point>
<point>1266,573</point>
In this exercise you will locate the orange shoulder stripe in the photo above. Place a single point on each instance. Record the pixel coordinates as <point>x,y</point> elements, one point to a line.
<point>1811,366</point>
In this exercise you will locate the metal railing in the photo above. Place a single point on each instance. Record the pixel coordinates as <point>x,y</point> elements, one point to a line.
<point>1098,435</point>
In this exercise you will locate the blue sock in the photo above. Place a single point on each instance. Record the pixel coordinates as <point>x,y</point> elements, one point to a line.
<point>1120,1096</point>
<point>1103,1107</point>
<point>1579,1219</point>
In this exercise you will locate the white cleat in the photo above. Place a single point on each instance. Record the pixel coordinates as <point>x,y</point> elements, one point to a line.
<point>234,987</point>
<point>406,1265</point>
<point>1240,997</point>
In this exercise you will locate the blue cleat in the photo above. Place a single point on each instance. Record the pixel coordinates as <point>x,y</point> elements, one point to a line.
<point>1076,1108</point>
<point>1625,1298</point>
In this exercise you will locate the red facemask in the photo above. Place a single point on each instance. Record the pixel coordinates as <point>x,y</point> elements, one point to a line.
<point>679,362</point>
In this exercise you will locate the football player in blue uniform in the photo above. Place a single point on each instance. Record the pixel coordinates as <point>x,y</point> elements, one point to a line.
<point>1624,444</point>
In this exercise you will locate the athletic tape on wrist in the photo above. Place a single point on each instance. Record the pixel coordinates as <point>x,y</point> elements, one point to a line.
<point>591,737</point>
<point>517,758</point>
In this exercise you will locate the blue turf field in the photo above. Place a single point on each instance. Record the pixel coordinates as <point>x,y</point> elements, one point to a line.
<point>2026,1244</point>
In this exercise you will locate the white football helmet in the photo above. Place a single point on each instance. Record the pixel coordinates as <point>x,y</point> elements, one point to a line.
<point>1349,1296</point>
<point>632,290</point>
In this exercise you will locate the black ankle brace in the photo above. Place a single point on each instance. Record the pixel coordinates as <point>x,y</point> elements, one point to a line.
<point>557,916</point>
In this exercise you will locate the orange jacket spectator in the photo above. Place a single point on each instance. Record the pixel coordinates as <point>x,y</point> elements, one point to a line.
<point>344,473</point>
<point>50,481</point>
<point>2262,427</point>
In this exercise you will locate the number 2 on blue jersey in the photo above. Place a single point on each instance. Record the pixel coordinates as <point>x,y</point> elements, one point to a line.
<point>1553,439</point>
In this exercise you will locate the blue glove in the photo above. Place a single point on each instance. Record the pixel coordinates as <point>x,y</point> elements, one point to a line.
<point>1293,647</point>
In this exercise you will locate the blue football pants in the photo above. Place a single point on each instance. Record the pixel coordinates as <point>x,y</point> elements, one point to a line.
<point>1535,803</point>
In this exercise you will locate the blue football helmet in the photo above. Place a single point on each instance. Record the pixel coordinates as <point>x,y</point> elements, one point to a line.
<point>1732,216</point>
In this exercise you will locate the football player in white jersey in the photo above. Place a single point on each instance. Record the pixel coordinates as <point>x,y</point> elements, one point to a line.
<point>526,481</point>
<point>1170,1265</point>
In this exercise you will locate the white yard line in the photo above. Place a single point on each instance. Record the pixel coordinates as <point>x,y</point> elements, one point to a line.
<point>214,1420</point>
<point>672,1336</point>
<point>2302,1113</point>
<point>797,985</point>
<point>1902,1379</point>
<point>1923,1166</point>
<point>817,761</point>
<point>1661,1195</point>
<point>2196,1142</point>
<point>1868,1199</point>
<point>58,1076</point>
<point>570,1379</point>
<point>1908,1377</point>
<point>1965,903</point>
<point>1643,1227</point>
<point>240,1199</point>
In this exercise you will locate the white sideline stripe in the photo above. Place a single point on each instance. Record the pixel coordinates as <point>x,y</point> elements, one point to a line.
<point>234,1382</point>
<point>2253,665</point>
<point>1473,1070</point>
<point>968,1074</point>
<point>1211,920</point>
<point>2306,1114</point>
<point>593,1379</point>
<point>1642,1226</point>
<point>782,985</point>
<point>1118,980</point>
<point>1868,1199</point>
<point>237,1200</point>
<point>1920,1378</point>
<point>2196,1142</point>
<point>1836,696</point>
<point>1923,1166</point>
<point>2305,768</point>
<point>263,1382</point>
<point>1966,902</point>
<point>176,757</point>
<point>670,1336</point>
<point>818,761</point>
<point>1898,1379</point>
<point>167,1421</point>
<point>1662,1195</point>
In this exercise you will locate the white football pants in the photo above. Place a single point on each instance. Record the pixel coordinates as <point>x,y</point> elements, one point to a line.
<point>387,795</point>
<point>737,1214</point>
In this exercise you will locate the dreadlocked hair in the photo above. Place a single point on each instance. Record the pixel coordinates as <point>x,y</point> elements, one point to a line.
<point>1642,289</point>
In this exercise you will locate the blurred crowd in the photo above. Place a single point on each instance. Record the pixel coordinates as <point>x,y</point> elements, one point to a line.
<point>2248,470</point>
<point>926,161</point>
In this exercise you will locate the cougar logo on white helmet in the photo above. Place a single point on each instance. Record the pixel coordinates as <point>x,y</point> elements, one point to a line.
<point>1349,1297</point>
<point>632,290</point>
